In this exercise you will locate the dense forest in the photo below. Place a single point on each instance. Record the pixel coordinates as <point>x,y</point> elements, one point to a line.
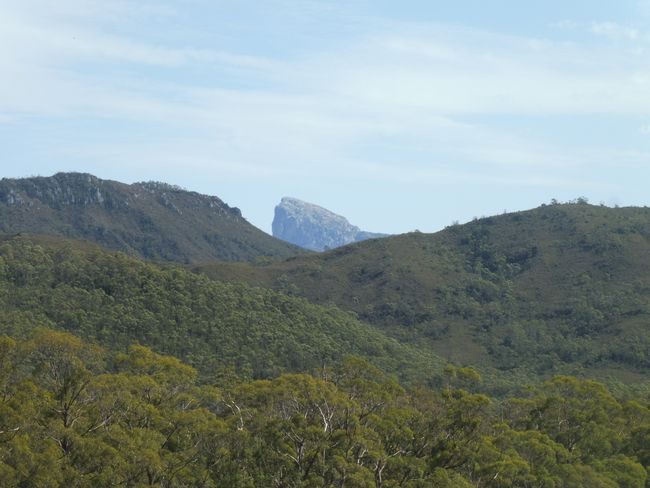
<point>219,328</point>
<point>563,288</point>
<point>465,358</point>
<point>73,414</point>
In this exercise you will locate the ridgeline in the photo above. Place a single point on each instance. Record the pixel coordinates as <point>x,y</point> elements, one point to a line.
<point>560,288</point>
<point>152,220</point>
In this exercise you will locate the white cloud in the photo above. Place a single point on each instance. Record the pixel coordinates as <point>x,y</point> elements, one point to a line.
<point>406,86</point>
<point>565,24</point>
<point>490,74</point>
<point>617,31</point>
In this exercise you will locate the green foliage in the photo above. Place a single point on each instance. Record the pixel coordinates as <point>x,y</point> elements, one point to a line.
<point>219,328</point>
<point>557,289</point>
<point>72,414</point>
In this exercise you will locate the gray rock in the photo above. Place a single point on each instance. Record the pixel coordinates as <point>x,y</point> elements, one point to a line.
<point>152,220</point>
<point>312,227</point>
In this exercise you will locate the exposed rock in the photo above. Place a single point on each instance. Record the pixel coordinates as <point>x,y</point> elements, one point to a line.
<point>313,227</point>
<point>151,219</point>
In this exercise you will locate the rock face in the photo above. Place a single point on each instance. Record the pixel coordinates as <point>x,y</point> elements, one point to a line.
<point>316,228</point>
<point>152,220</point>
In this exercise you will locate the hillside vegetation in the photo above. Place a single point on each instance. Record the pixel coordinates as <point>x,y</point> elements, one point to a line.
<point>267,388</point>
<point>151,220</point>
<point>72,414</point>
<point>561,288</point>
<point>221,329</point>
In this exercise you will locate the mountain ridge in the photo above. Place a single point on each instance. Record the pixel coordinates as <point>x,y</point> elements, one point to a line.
<point>314,227</point>
<point>559,288</point>
<point>152,220</point>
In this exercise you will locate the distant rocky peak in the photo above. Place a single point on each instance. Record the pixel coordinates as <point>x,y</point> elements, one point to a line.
<point>62,189</point>
<point>313,227</point>
<point>309,211</point>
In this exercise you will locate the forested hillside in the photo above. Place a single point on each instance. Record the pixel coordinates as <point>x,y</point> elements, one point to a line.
<point>72,414</point>
<point>266,389</point>
<point>561,288</point>
<point>219,328</point>
<point>151,220</point>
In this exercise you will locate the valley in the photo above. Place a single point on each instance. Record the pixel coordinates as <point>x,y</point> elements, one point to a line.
<point>420,360</point>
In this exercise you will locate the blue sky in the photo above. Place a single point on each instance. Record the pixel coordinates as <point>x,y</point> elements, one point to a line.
<point>399,115</point>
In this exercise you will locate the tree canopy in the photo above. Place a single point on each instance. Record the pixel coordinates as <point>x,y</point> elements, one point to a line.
<point>73,414</point>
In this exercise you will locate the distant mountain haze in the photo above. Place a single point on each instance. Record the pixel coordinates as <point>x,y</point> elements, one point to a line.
<point>152,220</point>
<point>313,227</point>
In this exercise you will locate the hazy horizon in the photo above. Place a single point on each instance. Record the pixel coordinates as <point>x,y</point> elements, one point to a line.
<point>398,117</point>
<point>453,221</point>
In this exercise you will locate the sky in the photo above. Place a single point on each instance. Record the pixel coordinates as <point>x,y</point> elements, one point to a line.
<point>398,115</point>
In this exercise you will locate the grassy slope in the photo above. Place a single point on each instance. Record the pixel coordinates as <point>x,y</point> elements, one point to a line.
<point>116,300</point>
<point>557,288</point>
<point>150,220</point>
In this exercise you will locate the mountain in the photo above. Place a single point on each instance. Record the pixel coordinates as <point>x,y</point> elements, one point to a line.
<point>152,220</point>
<point>312,227</point>
<point>117,300</point>
<point>276,399</point>
<point>560,288</point>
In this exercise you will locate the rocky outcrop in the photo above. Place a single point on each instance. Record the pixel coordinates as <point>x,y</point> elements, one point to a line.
<point>153,220</point>
<point>316,228</point>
